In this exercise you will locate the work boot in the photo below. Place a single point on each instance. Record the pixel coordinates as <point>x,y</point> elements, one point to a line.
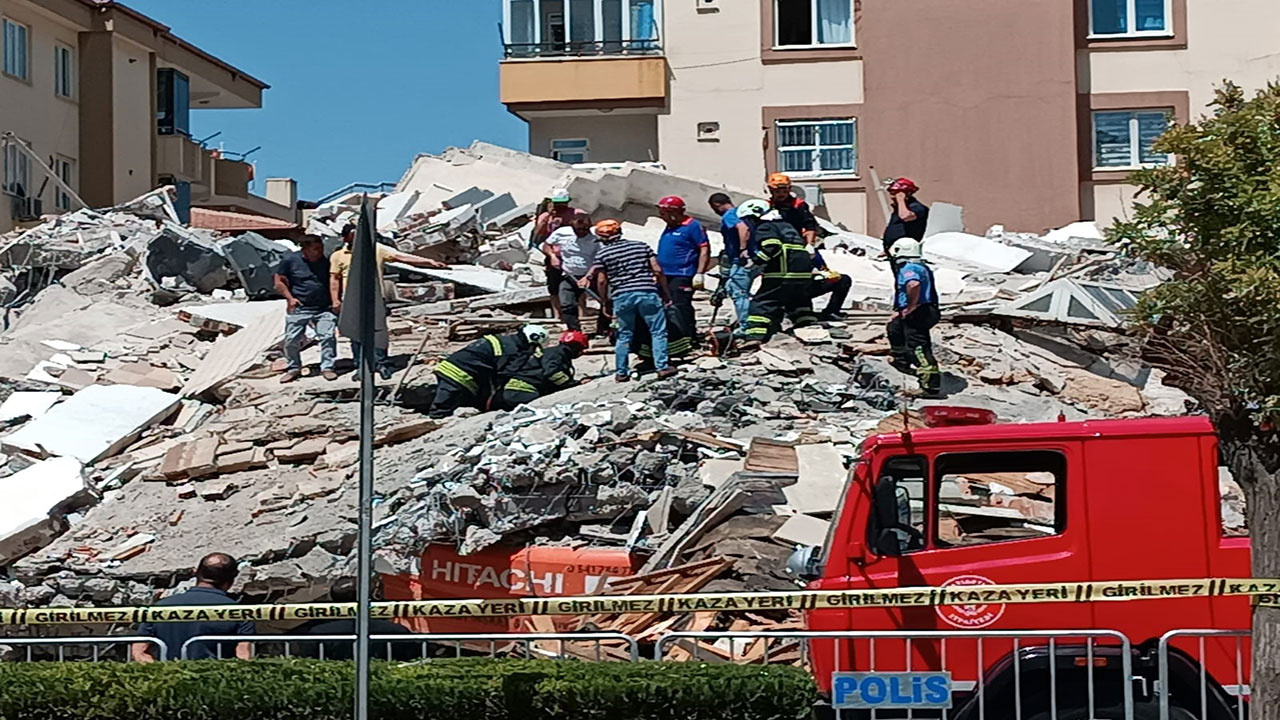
<point>622,378</point>
<point>667,372</point>
<point>386,372</point>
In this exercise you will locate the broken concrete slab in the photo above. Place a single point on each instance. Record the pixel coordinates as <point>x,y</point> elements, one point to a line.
<point>821,481</point>
<point>233,315</point>
<point>143,375</point>
<point>804,530</point>
<point>96,422</point>
<point>236,353</point>
<point>192,460</point>
<point>30,516</point>
<point>974,251</point>
<point>479,278</point>
<point>715,472</point>
<point>27,404</point>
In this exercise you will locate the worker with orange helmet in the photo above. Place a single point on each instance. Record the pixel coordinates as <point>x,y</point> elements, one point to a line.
<point>544,375</point>
<point>908,216</point>
<point>793,209</point>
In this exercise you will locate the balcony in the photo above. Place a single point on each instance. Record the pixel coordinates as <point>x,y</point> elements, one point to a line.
<point>182,158</point>
<point>602,83</point>
<point>533,29</point>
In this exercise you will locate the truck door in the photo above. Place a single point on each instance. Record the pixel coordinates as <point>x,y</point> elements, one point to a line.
<point>947,519</point>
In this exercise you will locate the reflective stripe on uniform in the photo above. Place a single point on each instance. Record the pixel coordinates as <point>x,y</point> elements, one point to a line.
<point>446,369</point>
<point>496,343</point>
<point>517,385</point>
<point>559,378</point>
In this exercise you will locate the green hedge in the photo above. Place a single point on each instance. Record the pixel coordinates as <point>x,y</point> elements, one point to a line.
<point>439,690</point>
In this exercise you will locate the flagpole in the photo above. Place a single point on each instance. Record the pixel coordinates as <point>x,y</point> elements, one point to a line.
<point>364,244</point>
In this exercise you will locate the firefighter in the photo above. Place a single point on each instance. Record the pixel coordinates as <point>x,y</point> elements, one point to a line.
<point>829,282</point>
<point>793,209</point>
<point>915,306</point>
<point>549,372</point>
<point>467,378</point>
<point>909,219</point>
<point>786,277</point>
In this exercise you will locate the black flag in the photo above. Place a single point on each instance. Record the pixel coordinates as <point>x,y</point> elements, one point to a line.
<point>364,314</point>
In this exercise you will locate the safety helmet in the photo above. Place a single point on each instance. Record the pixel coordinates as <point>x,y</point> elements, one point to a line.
<point>904,185</point>
<point>906,249</point>
<point>576,339</point>
<point>560,195</point>
<point>779,180</point>
<point>606,229</point>
<point>535,334</point>
<point>671,202</point>
<point>753,208</point>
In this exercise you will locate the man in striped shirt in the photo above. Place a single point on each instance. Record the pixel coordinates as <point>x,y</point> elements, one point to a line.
<point>636,292</point>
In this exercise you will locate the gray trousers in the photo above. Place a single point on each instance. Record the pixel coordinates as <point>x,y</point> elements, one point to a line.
<point>295,331</point>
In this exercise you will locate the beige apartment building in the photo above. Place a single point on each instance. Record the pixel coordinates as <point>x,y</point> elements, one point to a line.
<point>102,94</point>
<point>1029,113</point>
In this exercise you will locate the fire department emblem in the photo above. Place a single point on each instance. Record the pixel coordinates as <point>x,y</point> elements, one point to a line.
<point>970,617</point>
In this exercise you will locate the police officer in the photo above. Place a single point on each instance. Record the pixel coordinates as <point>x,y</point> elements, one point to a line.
<point>915,313</point>
<point>546,373</point>
<point>467,378</point>
<point>786,277</point>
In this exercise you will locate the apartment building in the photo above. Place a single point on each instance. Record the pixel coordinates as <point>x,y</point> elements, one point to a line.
<point>103,94</point>
<point>1030,113</point>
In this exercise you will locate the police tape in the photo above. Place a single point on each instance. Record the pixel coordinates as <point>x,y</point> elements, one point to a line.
<point>1264,592</point>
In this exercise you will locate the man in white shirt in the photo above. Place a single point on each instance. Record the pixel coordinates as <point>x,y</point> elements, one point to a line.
<point>572,250</point>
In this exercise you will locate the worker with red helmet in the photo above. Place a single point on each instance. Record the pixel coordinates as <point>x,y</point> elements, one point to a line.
<point>684,253</point>
<point>551,372</point>
<point>793,209</point>
<point>908,216</point>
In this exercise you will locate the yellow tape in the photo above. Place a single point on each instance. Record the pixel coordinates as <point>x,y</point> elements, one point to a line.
<point>1266,592</point>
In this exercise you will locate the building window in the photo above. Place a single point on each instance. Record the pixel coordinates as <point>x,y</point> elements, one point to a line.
<point>1131,17</point>
<point>573,151</point>
<point>534,28</point>
<point>17,171</point>
<point>65,168</point>
<point>15,49</point>
<point>808,23</point>
<point>64,71</point>
<point>173,102</point>
<point>1123,139</point>
<point>818,147</point>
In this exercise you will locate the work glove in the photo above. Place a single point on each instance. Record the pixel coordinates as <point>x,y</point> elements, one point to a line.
<point>700,282</point>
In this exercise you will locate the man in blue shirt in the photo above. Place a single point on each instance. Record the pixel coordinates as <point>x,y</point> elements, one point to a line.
<point>737,274</point>
<point>915,305</point>
<point>214,578</point>
<point>684,254</point>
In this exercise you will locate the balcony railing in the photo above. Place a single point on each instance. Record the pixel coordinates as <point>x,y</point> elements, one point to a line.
<point>518,51</point>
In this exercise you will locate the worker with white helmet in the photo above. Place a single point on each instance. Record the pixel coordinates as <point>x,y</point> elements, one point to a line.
<point>915,312</point>
<point>469,377</point>
<point>737,273</point>
<point>786,273</point>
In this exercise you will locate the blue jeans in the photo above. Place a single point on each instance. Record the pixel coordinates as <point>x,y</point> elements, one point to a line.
<point>737,286</point>
<point>379,356</point>
<point>631,308</point>
<point>295,331</point>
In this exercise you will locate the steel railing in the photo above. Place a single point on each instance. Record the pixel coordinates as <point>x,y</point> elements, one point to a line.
<point>1237,655</point>
<point>62,643</point>
<point>549,645</point>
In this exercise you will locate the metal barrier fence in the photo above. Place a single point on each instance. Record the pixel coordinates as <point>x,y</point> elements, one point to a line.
<point>561,646</point>
<point>1200,649</point>
<point>95,645</point>
<point>1035,660</point>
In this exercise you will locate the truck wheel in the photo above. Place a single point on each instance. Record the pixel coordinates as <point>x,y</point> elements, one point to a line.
<point>1141,711</point>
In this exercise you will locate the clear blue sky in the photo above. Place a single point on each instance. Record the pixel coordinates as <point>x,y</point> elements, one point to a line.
<point>357,88</point>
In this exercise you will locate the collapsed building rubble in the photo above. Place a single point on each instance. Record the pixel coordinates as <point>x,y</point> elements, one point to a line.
<point>706,481</point>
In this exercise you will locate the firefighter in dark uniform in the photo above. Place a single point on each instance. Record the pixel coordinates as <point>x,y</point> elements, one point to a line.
<point>468,377</point>
<point>787,276</point>
<point>793,209</point>
<point>551,371</point>
<point>916,312</point>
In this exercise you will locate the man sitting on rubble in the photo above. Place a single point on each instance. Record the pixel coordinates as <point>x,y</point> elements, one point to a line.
<point>550,373</point>
<point>340,268</point>
<point>550,218</point>
<point>302,279</point>
<point>468,377</point>
<point>571,250</point>
<point>636,292</point>
<point>786,277</point>
<point>214,577</point>
<point>915,305</point>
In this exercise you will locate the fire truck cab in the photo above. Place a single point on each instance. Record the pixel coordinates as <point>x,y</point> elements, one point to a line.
<point>977,504</point>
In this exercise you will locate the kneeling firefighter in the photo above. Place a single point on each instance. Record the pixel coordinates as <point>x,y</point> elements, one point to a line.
<point>468,377</point>
<point>545,374</point>
<point>787,273</point>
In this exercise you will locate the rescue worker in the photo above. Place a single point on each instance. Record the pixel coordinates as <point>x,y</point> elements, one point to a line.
<point>909,218</point>
<point>786,276</point>
<point>550,372</point>
<point>736,275</point>
<point>552,215</point>
<point>829,282</point>
<point>793,209</point>
<point>915,306</point>
<point>684,254</point>
<point>468,377</point>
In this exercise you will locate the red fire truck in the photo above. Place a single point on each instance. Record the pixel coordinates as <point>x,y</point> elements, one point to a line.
<point>969,503</point>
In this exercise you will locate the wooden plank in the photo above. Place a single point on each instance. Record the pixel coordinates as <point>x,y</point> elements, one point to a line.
<point>766,455</point>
